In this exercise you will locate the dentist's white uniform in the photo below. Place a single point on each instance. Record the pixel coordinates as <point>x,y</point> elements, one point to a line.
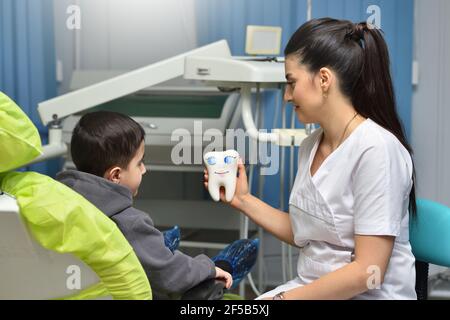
<point>362,188</point>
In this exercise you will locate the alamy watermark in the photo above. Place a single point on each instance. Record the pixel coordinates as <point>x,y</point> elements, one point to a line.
<point>374,280</point>
<point>190,147</point>
<point>73,21</point>
<point>73,281</point>
<point>374,20</point>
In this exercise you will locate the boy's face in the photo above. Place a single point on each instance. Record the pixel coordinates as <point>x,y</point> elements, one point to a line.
<point>131,176</point>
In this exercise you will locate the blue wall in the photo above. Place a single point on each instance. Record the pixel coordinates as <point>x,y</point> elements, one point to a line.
<point>219,19</point>
<point>27,60</point>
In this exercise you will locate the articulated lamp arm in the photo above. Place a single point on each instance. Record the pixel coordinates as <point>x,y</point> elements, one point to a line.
<point>56,109</point>
<point>281,137</point>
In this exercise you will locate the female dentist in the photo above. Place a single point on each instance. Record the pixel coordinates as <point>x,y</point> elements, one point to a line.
<point>349,207</point>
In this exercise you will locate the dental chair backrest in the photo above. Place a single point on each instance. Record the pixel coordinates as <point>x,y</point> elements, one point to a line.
<point>430,241</point>
<point>54,244</point>
<point>29,271</point>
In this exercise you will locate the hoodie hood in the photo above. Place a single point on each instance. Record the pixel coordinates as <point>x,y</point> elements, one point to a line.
<point>108,197</point>
<point>19,138</point>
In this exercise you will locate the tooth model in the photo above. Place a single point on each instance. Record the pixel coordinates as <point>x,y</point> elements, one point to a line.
<point>222,170</point>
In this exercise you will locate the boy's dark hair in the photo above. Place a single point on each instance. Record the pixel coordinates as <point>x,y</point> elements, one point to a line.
<point>105,139</point>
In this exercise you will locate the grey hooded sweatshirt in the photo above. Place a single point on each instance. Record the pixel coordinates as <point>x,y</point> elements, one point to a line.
<point>170,274</point>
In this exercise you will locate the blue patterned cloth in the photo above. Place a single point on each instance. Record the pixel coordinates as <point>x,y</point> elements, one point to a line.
<point>241,255</point>
<point>172,238</point>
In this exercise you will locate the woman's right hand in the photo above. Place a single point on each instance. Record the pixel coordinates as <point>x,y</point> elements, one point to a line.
<point>241,187</point>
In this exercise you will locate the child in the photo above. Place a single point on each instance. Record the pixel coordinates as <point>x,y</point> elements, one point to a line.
<point>108,150</point>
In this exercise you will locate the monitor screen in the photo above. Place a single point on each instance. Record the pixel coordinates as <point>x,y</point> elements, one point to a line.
<point>263,40</point>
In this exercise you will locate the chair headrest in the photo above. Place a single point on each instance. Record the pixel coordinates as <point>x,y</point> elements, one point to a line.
<point>19,138</point>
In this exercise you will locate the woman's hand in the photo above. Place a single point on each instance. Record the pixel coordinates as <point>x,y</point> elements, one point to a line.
<point>241,187</point>
<point>224,276</point>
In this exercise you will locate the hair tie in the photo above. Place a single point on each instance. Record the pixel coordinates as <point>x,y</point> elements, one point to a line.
<point>356,32</point>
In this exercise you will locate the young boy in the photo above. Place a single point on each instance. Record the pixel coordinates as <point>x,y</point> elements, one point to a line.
<point>108,150</point>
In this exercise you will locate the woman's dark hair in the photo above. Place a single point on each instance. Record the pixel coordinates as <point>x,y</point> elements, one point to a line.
<point>105,139</point>
<point>359,55</point>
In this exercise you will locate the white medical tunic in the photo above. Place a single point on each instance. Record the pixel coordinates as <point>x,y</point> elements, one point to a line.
<point>362,188</point>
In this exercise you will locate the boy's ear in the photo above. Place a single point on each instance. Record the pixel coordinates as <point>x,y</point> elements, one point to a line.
<point>113,174</point>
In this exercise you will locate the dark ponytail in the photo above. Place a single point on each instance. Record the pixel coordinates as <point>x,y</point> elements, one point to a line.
<point>359,55</point>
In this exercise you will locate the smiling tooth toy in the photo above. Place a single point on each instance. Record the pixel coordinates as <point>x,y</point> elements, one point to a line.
<point>222,170</point>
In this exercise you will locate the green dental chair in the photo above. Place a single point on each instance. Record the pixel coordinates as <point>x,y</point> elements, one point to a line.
<point>53,243</point>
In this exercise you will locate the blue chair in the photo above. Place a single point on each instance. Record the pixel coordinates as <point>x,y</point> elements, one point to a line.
<point>430,241</point>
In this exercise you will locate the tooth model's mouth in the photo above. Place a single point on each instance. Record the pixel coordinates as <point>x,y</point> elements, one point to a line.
<point>222,173</point>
